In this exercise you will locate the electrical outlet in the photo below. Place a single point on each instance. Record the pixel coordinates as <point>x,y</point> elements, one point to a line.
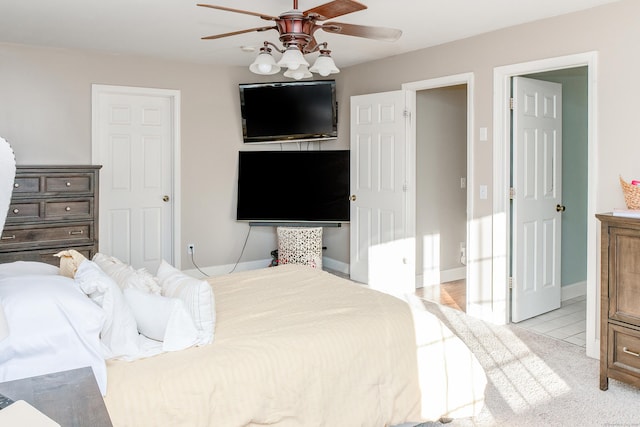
<point>191,248</point>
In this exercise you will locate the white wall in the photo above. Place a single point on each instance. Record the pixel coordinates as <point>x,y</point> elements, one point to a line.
<point>441,216</point>
<point>45,114</point>
<point>609,30</point>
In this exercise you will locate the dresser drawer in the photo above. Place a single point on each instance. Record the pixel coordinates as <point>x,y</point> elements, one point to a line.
<point>24,211</point>
<point>27,184</point>
<point>50,210</point>
<point>53,184</point>
<point>68,184</point>
<point>14,237</point>
<point>46,255</point>
<point>624,350</point>
<point>68,209</point>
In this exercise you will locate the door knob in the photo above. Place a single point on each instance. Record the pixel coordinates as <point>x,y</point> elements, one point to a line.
<point>165,198</point>
<point>560,208</point>
<point>353,197</point>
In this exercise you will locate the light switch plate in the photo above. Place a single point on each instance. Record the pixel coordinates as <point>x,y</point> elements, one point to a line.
<point>483,192</point>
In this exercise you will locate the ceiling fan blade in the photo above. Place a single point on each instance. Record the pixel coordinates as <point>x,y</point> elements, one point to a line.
<point>246,12</point>
<point>377,33</point>
<point>234,33</point>
<point>335,8</point>
<point>312,45</point>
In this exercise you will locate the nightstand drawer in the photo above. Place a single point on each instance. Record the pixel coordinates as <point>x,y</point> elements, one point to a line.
<point>624,347</point>
<point>21,236</point>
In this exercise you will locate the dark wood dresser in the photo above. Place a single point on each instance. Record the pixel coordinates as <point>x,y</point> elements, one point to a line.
<point>53,208</point>
<point>620,300</point>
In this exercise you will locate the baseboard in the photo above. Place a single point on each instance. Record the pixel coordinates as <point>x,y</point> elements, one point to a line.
<point>573,291</point>
<point>453,274</point>
<point>335,265</point>
<point>219,270</point>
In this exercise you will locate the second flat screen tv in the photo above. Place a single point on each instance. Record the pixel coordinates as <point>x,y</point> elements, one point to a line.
<point>288,111</point>
<point>293,186</point>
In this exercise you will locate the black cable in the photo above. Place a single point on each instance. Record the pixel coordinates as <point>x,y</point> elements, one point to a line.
<point>242,252</point>
<point>196,265</point>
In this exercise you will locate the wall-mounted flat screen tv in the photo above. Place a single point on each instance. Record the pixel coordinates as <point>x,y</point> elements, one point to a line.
<point>293,186</point>
<point>288,111</point>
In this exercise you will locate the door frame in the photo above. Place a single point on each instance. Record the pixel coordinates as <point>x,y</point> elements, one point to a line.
<point>501,170</point>
<point>98,90</point>
<point>472,234</point>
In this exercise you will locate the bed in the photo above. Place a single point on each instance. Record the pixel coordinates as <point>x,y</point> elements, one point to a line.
<point>294,346</point>
<point>286,346</point>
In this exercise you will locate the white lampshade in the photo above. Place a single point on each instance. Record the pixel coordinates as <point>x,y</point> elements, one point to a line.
<point>264,64</point>
<point>292,59</point>
<point>324,65</point>
<point>301,73</point>
<point>4,327</point>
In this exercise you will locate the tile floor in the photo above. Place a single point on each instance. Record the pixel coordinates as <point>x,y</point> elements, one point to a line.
<point>568,323</point>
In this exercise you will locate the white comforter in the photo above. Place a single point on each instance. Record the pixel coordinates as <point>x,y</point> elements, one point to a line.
<point>300,347</point>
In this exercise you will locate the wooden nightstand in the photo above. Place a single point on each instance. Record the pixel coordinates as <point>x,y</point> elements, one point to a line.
<point>71,398</point>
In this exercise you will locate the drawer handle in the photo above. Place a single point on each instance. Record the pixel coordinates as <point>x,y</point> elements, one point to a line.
<point>68,184</point>
<point>12,237</point>
<point>16,185</point>
<point>76,232</point>
<point>626,350</point>
<point>68,208</point>
<point>16,210</point>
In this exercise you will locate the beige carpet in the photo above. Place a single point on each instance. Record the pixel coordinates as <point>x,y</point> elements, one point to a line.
<point>538,381</point>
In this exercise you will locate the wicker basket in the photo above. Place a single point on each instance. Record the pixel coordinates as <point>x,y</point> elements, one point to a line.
<point>631,194</point>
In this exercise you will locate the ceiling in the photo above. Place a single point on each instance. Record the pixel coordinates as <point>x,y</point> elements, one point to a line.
<point>171,29</point>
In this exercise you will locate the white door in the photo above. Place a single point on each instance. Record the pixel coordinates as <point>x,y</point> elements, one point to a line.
<point>537,203</point>
<point>133,140</point>
<point>382,246</point>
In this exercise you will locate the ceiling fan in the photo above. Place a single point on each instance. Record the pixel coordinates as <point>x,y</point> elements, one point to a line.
<point>297,28</point>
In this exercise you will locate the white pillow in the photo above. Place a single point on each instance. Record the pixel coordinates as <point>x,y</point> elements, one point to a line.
<point>22,268</point>
<point>120,332</point>
<point>53,327</point>
<point>125,275</point>
<point>162,319</point>
<point>197,296</point>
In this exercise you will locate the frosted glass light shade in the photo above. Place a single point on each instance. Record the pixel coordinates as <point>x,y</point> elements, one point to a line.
<point>324,66</point>
<point>292,58</point>
<point>302,72</point>
<point>264,64</point>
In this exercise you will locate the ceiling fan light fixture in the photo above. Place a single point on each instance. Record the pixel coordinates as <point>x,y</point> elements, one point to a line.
<point>324,64</point>
<point>264,63</point>
<point>302,72</point>
<point>292,58</point>
<point>296,29</point>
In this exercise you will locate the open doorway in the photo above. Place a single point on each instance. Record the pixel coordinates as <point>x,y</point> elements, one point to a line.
<point>502,162</point>
<point>441,194</point>
<point>568,322</point>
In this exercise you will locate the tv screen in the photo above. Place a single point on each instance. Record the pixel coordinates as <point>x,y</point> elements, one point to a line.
<point>288,111</point>
<point>293,186</point>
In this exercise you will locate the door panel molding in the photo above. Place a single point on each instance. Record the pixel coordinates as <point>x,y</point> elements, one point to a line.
<point>150,116</point>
